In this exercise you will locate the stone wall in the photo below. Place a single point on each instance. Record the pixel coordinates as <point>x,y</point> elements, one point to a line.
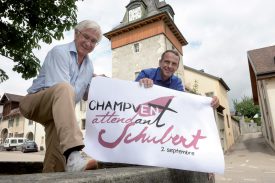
<point>249,127</point>
<point>133,174</point>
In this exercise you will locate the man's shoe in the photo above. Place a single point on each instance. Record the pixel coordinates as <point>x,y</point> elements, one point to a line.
<point>77,163</point>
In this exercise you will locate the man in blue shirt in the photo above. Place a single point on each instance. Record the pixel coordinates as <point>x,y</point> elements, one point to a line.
<point>61,83</point>
<point>164,74</point>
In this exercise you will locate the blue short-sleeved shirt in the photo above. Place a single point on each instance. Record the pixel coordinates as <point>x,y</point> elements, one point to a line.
<point>61,65</point>
<point>173,82</point>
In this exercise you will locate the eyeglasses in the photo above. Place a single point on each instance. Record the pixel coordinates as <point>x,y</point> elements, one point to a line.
<point>87,38</point>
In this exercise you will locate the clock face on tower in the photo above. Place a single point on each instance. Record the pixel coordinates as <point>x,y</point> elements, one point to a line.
<point>134,13</point>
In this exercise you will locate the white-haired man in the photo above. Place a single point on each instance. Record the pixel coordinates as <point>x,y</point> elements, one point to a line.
<point>61,83</point>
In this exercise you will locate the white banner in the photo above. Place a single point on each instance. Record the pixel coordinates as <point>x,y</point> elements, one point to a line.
<point>156,126</point>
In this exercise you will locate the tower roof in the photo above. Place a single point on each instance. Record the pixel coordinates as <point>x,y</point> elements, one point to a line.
<point>153,7</point>
<point>150,11</point>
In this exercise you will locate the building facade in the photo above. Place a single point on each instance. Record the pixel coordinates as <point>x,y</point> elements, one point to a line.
<point>13,124</point>
<point>261,64</point>
<point>199,82</point>
<point>80,111</point>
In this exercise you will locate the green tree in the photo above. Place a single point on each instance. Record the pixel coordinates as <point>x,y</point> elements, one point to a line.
<point>246,107</point>
<point>26,23</point>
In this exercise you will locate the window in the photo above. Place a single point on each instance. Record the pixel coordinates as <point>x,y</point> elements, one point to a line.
<point>82,105</point>
<point>17,121</point>
<point>136,47</point>
<point>83,123</point>
<point>11,121</point>
<point>42,139</point>
<point>209,94</point>
<point>13,141</point>
<point>30,122</point>
<point>20,141</point>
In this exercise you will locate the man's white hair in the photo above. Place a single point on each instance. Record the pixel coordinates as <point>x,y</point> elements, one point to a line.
<point>89,24</point>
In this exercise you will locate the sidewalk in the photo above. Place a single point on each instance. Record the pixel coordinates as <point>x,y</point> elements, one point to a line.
<point>249,160</point>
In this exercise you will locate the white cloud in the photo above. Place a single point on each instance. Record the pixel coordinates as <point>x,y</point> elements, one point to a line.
<point>220,32</point>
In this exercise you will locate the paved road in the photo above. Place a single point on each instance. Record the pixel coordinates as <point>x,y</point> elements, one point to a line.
<point>250,160</point>
<point>19,156</point>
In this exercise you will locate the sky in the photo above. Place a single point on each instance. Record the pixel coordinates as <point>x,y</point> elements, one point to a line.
<point>219,34</point>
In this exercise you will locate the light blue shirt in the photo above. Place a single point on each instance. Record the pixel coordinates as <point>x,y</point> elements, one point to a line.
<point>61,65</point>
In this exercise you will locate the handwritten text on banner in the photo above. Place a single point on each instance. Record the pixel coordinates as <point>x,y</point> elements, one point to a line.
<point>161,127</point>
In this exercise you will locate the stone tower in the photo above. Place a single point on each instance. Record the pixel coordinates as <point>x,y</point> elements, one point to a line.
<point>146,31</point>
